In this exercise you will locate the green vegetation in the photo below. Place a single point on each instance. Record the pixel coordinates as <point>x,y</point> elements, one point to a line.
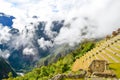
<point>115,67</point>
<point>10,75</point>
<point>86,46</point>
<point>63,65</point>
<point>72,79</point>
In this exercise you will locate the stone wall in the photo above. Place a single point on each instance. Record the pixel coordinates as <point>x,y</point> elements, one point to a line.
<point>98,66</point>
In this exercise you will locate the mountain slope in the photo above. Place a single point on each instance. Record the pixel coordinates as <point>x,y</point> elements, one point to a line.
<point>69,65</point>
<point>26,47</point>
<point>63,65</point>
<point>5,69</point>
<point>108,49</point>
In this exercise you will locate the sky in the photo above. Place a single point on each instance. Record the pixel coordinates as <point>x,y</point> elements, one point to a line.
<point>83,19</point>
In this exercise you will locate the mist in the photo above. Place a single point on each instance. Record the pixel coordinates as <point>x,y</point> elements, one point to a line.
<point>76,20</point>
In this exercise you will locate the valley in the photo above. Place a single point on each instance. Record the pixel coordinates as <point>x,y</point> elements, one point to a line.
<point>76,64</point>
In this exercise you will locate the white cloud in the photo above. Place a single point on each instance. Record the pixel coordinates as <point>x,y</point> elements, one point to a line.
<point>100,16</point>
<point>29,51</point>
<point>4,35</point>
<point>24,38</point>
<point>44,44</point>
<point>5,53</point>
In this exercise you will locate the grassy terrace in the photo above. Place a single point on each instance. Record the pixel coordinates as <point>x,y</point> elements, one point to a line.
<point>113,55</point>
<point>116,68</point>
<point>105,50</point>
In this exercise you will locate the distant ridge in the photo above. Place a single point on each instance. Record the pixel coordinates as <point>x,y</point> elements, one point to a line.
<point>5,69</point>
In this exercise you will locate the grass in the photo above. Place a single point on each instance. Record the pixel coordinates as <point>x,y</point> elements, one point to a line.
<point>73,79</point>
<point>117,45</point>
<point>92,79</point>
<point>115,67</point>
<point>113,55</point>
<point>107,57</point>
<point>106,54</point>
<point>115,50</point>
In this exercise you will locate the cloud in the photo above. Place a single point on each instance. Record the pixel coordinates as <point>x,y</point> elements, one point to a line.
<point>4,35</point>
<point>44,44</point>
<point>29,51</point>
<point>82,19</point>
<point>100,17</point>
<point>5,54</point>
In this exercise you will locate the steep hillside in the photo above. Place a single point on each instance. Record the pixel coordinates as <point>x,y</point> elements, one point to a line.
<point>5,69</point>
<point>108,49</point>
<point>28,46</point>
<point>75,65</point>
<point>62,66</point>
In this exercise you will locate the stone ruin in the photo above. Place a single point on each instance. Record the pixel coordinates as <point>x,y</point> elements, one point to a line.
<point>114,33</point>
<point>99,68</point>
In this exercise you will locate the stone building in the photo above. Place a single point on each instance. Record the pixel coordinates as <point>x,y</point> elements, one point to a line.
<point>100,68</point>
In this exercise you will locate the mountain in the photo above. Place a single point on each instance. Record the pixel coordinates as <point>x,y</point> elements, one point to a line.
<point>26,61</point>
<point>62,65</point>
<point>5,69</point>
<point>34,46</point>
<point>106,50</point>
<point>76,64</point>
<point>17,44</point>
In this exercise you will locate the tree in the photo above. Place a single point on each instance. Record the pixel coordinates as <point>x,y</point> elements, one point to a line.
<point>10,75</point>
